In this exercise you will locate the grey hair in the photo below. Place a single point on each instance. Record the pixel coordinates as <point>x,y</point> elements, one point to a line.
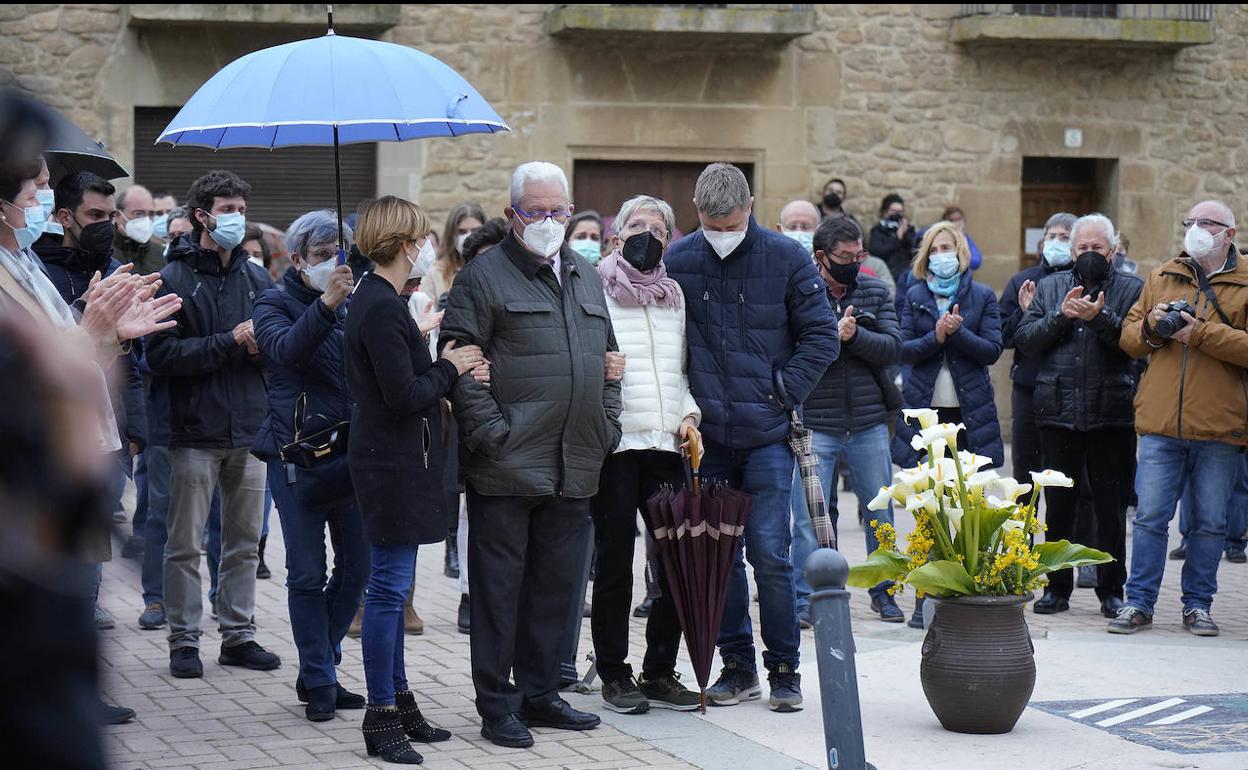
<point>537,171</point>
<point>121,196</point>
<point>1060,219</point>
<point>645,203</point>
<point>314,228</point>
<point>1227,213</point>
<point>721,190</point>
<point>1099,220</point>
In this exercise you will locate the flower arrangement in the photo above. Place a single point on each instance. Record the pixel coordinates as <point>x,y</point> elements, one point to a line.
<point>971,537</point>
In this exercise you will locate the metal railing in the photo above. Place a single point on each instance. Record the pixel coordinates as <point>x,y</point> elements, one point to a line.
<point>1145,11</point>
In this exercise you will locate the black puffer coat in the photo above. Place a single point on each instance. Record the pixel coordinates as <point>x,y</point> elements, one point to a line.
<point>1084,381</point>
<point>849,397</point>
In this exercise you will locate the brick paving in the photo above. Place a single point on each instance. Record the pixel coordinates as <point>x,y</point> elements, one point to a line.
<point>235,718</point>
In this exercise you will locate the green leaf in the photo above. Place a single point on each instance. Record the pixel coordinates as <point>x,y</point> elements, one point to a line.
<point>881,565</point>
<point>988,521</point>
<point>942,578</point>
<point>1064,554</point>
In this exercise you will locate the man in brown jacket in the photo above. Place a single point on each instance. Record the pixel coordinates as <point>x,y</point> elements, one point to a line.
<point>1191,412</point>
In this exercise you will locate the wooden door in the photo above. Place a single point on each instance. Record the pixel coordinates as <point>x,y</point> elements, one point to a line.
<point>1041,201</point>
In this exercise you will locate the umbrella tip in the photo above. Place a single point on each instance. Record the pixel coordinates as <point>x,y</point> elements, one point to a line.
<point>329,10</point>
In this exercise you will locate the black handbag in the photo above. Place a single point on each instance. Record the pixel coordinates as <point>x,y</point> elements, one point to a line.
<point>317,448</point>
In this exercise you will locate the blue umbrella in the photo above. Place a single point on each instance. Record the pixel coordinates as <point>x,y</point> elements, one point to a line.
<point>331,90</point>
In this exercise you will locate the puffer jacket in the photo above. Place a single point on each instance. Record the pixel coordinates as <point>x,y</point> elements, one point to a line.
<point>655,391</point>
<point>762,309</point>
<point>1085,381</point>
<point>849,397</point>
<point>217,394</point>
<point>968,353</point>
<point>1197,391</point>
<point>548,420</point>
<point>1024,369</point>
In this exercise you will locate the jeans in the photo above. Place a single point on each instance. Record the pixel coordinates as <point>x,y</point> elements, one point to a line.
<point>153,490</point>
<point>1165,466</point>
<point>268,508</point>
<point>765,473</point>
<point>196,472</point>
<point>381,636</point>
<point>870,464</point>
<point>1236,511</point>
<point>321,609</point>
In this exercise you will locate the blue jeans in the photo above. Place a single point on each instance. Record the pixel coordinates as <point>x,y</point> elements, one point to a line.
<point>766,473</point>
<point>381,635</point>
<point>1236,511</point>
<point>870,467</point>
<point>268,508</point>
<point>321,609</point>
<point>152,480</point>
<point>1166,465</point>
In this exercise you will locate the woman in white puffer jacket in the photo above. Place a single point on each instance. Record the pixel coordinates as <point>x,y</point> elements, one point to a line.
<point>648,315</point>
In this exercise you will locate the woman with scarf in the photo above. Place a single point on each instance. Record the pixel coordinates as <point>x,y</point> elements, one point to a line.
<point>951,334</point>
<point>648,313</point>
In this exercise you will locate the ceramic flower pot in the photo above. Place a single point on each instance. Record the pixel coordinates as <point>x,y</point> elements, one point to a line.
<point>978,666</point>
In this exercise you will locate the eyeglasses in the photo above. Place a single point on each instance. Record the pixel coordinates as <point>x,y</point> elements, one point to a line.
<point>847,259</point>
<point>322,254</point>
<point>560,216</point>
<point>1203,223</point>
<point>657,230</point>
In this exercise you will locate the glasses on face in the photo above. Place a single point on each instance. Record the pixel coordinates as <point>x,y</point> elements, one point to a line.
<point>1205,224</point>
<point>321,254</point>
<point>845,258</point>
<point>656,229</point>
<point>529,217</point>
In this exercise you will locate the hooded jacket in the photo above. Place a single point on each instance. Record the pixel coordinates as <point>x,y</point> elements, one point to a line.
<point>216,389</point>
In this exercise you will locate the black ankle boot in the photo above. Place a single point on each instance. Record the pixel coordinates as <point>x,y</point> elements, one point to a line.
<point>451,566</point>
<point>383,737</point>
<point>262,569</point>
<point>414,724</point>
<point>322,703</point>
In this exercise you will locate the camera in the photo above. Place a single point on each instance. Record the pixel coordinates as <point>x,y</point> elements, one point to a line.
<point>1171,322</point>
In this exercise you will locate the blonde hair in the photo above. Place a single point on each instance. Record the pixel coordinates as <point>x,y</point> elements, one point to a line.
<point>925,248</point>
<point>386,224</point>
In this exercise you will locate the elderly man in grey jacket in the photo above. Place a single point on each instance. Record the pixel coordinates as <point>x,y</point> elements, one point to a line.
<point>532,445</point>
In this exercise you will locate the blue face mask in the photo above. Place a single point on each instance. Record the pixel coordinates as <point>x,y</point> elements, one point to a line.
<point>230,230</point>
<point>1057,253</point>
<point>944,287</point>
<point>587,248</point>
<point>944,264</point>
<point>804,237</point>
<point>35,220</point>
<point>47,199</point>
<point>160,226</point>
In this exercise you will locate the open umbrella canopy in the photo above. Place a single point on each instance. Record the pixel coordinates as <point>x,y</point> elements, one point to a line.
<point>297,93</point>
<point>70,150</point>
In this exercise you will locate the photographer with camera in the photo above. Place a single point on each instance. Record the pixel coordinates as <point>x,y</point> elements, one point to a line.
<point>1191,412</point>
<point>1084,386</point>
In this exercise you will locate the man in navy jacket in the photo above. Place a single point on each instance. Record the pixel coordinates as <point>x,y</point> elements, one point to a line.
<point>756,308</point>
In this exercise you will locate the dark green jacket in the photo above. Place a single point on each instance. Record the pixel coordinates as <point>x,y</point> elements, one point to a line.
<point>147,257</point>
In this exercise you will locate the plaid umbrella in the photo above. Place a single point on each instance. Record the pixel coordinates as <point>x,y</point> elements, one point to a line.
<point>801,442</point>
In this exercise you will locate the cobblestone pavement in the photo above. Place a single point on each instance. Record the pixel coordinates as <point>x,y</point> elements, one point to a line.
<point>235,718</point>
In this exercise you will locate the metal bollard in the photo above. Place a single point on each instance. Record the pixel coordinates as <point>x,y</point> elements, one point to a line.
<point>826,571</point>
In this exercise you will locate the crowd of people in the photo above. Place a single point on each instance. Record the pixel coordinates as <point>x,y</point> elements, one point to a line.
<point>518,387</point>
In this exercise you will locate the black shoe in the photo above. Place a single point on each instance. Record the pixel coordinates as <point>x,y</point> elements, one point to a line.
<point>643,610</point>
<point>916,618</point>
<point>464,621</point>
<point>134,547</point>
<point>383,737</point>
<point>1112,606</point>
<point>184,663</point>
<point>508,732</point>
<point>415,725</point>
<point>1051,604</point>
<point>450,566</point>
<point>321,703</point>
<point>1236,555</point>
<point>343,698</point>
<point>262,569</point>
<point>1179,554</point>
<point>559,715</point>
<point>887,607</point>
<point>249,655</point>
<point>114,715</point>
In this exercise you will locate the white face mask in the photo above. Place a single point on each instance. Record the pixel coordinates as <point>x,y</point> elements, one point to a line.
<point>257,261</point>
<point>139,229</point>
<point>459,242</point>
<point>724,243</point>
<point>318,275</point>
<point>1057,253</point>
<point>944,264</point>
<point>1198,243</point>
<point>423,262</point>
<point>545,237</point>
<point>804,237</point>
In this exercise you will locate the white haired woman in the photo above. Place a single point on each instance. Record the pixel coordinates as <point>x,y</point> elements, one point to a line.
<point>648,313</point>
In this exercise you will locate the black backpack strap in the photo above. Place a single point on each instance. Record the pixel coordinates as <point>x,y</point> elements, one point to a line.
<point>1207,288</point>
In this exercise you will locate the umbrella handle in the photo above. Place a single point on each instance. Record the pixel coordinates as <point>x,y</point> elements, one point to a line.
<point>692,451</point>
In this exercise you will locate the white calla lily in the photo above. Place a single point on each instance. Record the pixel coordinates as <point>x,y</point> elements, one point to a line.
<point>881,500</point>
<point>948,432</point>
<point>915,478</point>
<point>1013,524</point>
<point>954,515</point>
<point>978,481</point>
<point>925,417</point>
<point>972,462</point>
<point>1008,489</point>
<point>923,500</point>
<point>1050,478</point>
<point>997,504</point>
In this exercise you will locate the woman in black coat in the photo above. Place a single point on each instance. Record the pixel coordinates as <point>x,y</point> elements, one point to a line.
<point>395,455</point>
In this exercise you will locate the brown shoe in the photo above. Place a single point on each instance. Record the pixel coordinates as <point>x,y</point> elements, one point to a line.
<point>412,623</point>
<point>357,624</point>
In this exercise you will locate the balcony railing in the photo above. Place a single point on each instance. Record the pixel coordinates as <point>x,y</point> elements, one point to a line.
<point>1132,24</point>
<point>1149,11</point>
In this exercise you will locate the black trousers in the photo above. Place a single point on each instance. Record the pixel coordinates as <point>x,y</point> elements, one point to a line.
<point>628,480</point>
<point>525,556</point>
<point>1107,456</point>
<point>1025,443</point>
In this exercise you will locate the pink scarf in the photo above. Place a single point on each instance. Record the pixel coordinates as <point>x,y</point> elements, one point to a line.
<point>632,288</point>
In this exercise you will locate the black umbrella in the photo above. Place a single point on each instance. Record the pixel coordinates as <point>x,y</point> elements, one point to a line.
<point>70,150</point>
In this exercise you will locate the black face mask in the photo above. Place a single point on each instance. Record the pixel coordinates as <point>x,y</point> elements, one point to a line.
<point>845,275</point>
<point>97,238</point>
<point>643,251</point>
<point>832,202</point>
<point>1091,268</point>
